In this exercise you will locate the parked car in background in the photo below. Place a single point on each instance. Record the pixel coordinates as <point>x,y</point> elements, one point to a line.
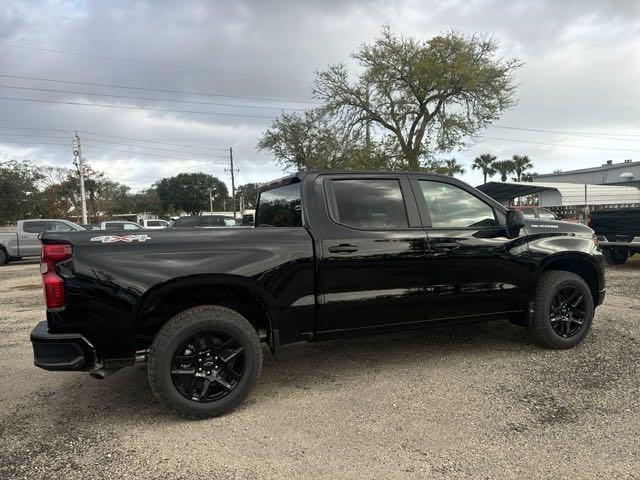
<point>90,226</point>
<point>618,232</point>
<point>119,225</point>
<point>154,224</point>
<point>532,211</point>
<point>204,221</point>
<point>332,254</point>
<point>24,241</point>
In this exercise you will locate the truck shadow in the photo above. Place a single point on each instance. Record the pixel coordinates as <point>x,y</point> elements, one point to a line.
<point>324,366</point>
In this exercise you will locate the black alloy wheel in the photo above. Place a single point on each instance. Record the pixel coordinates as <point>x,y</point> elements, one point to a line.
<point>567,312</point>
<point>208,366</point>
<point>563,310</point>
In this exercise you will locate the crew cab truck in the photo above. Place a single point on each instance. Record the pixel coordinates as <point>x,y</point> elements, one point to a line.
<point>618,232</point>
<point>331,254</point>
<point>25,242</point>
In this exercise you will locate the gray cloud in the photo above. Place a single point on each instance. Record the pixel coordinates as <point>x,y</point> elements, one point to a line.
<point>581,66</point>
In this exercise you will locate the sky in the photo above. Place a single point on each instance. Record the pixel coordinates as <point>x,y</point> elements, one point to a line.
<point>216,74</point>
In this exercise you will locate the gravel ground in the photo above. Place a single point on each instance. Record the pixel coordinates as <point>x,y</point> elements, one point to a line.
<point>468,402</point>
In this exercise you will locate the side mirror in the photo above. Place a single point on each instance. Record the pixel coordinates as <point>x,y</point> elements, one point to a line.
<point>515,221</point>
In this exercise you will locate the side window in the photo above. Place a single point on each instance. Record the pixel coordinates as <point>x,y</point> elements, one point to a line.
<point>369,204</point>
<point>280,207</point>
<point>452,207</point>
<point>35,227</point>
<point>130,226</point>
<point>528,212</point>
<point>60,227</point>
<point>545,214</point>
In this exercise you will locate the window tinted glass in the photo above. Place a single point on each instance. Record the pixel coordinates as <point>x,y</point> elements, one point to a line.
<point>528,212</point>
<point>370,203</point>
<point>155,223</point>
<point>131,226</point>
<point>280,207</point>
<point>35,227</point>
<point>60,227</point>
<point>546,214</point>
<point>452,207</point>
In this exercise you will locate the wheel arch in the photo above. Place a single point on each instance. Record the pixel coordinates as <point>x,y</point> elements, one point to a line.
<point>238,293</point>
<point>578,263</point>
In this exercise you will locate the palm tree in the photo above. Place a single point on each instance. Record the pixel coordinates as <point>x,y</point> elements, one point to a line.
<point>451,167</point>
<point>529,176</point>
<point>485,163</point>
<point>521,163</point>
<point>504,168</point>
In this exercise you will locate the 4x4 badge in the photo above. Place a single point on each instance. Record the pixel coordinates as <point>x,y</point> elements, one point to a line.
<point>121,238</point>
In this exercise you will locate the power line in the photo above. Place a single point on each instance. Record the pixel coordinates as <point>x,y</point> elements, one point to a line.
<point>147,62</point>
<point>204,147</point>
<point>612,136</point>
<point>130,97</point>
<point>163,90</point>
<point>560,145</point>
<point>128,107</point>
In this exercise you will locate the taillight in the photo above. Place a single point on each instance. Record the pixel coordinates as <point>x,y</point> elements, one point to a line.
<point>52,282</point>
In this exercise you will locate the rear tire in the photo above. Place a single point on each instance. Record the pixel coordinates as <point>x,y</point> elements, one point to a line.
<point>204,361</point>
<point>563,310</point>
<point>4,258</point>
<point>616,255</point>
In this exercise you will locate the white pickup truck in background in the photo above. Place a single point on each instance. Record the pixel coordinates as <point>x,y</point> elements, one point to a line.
<point>24,241</point>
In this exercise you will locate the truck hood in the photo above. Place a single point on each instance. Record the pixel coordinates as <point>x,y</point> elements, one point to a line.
<point>535,226</point>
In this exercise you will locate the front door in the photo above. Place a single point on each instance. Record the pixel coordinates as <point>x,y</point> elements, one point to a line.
<point>472,267</point>
<point>372,253</point>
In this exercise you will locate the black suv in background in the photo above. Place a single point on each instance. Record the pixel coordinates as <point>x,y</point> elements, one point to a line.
<point>331,254</point>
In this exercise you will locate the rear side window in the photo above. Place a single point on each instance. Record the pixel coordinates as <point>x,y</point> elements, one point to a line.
<point>528,212</point>
<point>35,227</point>
<point>453,207</point>
<point>280,207</point>
<point>155,223</point>
<point>369,204</point>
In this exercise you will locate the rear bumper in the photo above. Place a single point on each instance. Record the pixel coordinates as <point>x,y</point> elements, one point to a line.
<point>62,351</point>
<point>632,243</point>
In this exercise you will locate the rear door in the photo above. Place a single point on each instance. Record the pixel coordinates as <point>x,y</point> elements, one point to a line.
<point>28,236</point>
<point>371,257</point>
<point>471,269</point>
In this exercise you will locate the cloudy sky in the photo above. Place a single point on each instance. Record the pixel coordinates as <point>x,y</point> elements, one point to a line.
<point>206,75</point>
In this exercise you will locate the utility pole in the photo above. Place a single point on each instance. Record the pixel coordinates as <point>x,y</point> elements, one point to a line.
<point>211,200</point>
<point>233,182</point>
<point>79,162</point>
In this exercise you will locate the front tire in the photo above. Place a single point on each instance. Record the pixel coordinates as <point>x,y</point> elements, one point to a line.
<point>204,361</point>
<point>563,310</point>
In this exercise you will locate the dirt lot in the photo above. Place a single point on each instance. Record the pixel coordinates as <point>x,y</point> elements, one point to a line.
<point>469,402</point>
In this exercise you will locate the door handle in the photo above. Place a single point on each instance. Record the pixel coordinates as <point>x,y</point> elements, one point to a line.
<point>343,248</point>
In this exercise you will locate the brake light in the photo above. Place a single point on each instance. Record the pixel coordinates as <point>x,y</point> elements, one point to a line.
<point>53,284</point>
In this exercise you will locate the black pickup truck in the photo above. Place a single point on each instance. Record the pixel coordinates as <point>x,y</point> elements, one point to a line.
<point>331,254</point>
<point>618,232</point>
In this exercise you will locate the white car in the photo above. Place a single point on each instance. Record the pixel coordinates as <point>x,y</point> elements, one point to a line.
<point>119,225</point>
<point>154,224</point>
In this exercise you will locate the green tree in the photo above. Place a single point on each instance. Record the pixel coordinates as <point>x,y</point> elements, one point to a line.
<point>484,163</point>
<point>424,96</point>
<point>248,191</point>
<point>312,141</point>
<point>189,192</point>
<point>521,163</point>
<point>504,168</point>
<point>449,167</point>
<point>19,194</point>
<point>529,176</point>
